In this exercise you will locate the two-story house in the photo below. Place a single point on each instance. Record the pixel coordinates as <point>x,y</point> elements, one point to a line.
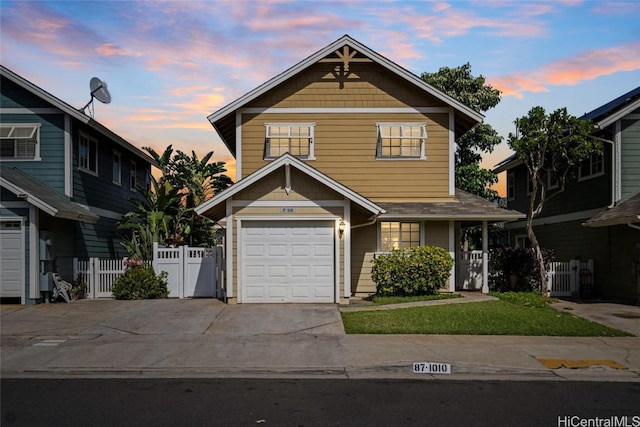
<point>340,157</point>
<point>596,217</point>
<point>65,182</point>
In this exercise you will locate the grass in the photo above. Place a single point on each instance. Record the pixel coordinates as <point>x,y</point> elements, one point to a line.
<point>378,300</point>
<point>513,314</point>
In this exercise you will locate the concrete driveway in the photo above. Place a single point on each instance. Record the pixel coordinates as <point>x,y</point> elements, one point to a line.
<point>168,317</point>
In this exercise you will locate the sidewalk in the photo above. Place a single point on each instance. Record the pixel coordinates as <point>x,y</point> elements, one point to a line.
<point>206,338</point>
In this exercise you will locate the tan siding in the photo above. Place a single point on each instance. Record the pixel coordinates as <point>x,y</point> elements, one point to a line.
<point>363,246</point>
<point>345,150</point>
<point>368,85</point>
<point>303,188</point>
<point>437,234</point>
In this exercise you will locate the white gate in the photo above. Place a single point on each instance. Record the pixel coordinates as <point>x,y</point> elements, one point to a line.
<point>563,278</point>
<point>470,270</point>
<point>192,272</point>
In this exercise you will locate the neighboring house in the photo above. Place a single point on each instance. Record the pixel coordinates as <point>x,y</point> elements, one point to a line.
<point>65,181</point>
<point>342,156</point>
<point>604,198</point>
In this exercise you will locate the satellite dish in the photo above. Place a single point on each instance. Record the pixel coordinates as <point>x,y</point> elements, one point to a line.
<point>99,91</point>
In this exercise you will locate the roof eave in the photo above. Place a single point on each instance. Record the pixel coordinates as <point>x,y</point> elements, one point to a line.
<point>280,78</point>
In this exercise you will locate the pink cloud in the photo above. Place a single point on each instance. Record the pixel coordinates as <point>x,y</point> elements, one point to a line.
<point>570,71</point>
<point>110,49</point>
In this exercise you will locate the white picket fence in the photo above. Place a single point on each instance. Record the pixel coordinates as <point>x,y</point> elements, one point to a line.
<point>192,272</point>
<point>564,277</point>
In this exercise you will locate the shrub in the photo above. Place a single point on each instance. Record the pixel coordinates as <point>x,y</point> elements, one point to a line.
<point>415,271</point>
<point>140,283</point>
<point>516,269</point>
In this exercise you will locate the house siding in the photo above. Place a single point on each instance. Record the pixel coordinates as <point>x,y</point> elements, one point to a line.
<point>50,169</point>
<point>578,195</point>
<point>623,280</point>
<point>100,191</point>
<point>364,242</point>
<point>345,150</point>
<point>630,158</point>
<point>98,240</point>
<point>368,85</point>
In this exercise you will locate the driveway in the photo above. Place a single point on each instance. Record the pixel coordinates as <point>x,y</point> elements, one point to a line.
<point>168,317</point>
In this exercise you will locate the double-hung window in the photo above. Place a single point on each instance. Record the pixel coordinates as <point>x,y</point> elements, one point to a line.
<point>401,140</point>
<point>117,168</point>
<point>87,154</point>
<point>511,185</point>
<point>133,176</point>
<point>399,235</point>
<point>20,141</point>
<point>591,167</point>
<point>293,138</point>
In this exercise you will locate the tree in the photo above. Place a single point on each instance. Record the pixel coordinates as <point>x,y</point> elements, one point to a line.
<point>166,214</point>
<point>472,91</point>
<point>551,147</point>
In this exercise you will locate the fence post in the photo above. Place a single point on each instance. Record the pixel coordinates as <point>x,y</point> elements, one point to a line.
<point>574,266</point>
<point>154,258</point>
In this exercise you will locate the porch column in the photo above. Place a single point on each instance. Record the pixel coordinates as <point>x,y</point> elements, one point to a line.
<point>485,257</point>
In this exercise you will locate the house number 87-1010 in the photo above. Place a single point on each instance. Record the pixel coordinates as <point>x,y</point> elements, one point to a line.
<point>431,368</point>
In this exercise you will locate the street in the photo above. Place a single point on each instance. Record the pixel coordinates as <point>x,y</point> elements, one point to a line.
<point>313,402</point>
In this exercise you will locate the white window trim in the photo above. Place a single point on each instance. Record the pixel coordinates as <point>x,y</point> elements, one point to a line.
<point>511,182</point>
<point>34,135</point>
<point>423,140</point>
<point>118,181</point>
<point>311,127</point>
<point>133,173</point>
<point>80,167</point>
<point>529,184</point>
<point>591,175</point>
<point>551,185</point>
<point>523,238</point>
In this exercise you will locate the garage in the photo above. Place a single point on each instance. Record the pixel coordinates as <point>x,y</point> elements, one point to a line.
<point>11,259</point>
<point>287,261</point>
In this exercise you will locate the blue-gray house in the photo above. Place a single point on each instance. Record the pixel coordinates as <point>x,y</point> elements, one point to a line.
<point>65,182</point>
<point>598,215</point>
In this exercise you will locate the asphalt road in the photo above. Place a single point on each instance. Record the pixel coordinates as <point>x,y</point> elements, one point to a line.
<point>279,402</point>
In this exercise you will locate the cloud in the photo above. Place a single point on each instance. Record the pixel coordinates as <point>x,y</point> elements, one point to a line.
<point>626,8</point>
<point>570,71</point>
<point>110,49</point>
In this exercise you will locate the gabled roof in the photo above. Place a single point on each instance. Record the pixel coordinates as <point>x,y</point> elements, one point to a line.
<point>73,112</point>
<point>614,110</point>
<point>288,159</point>
<point>466,206</point>
<point>42,196</point>
<point>627,212</point>
<point>462,111</point>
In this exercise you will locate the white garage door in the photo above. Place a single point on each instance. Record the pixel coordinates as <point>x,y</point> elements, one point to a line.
<point>287,261</point>
<point>11,253</point>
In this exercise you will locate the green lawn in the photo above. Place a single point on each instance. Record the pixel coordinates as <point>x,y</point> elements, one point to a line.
<point>513,314</point>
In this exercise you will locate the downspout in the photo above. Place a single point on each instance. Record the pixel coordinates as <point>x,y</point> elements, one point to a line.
<point>637,227</point>
<point>371,222</point>
<point>613,168</point>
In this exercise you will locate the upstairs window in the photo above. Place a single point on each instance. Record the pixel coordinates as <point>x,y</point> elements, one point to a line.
<point>401,140</point>
<point>293,138</point>
<point>133,176</point>
<point>591,167</point>
<point>511,185</point>
<point>117,168</point>
<point>20,141</point>
<point>399,235</point>
<point>88,154</point>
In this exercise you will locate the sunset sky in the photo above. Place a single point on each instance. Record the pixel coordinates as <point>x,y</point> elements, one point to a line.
<point>168,65</point>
